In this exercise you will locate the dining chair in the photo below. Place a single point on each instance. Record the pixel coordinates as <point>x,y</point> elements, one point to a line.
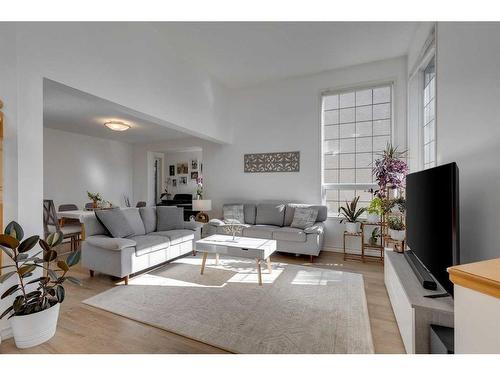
<point>51,225</point>
<point>68,207</point>
<point>140,204</point>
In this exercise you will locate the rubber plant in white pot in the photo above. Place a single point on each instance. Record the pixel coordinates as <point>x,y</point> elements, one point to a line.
<point>396,228</point>
<point>351,215</point>
<point>35,309</point>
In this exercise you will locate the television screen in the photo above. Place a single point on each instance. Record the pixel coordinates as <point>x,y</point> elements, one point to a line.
<point>432,219</point>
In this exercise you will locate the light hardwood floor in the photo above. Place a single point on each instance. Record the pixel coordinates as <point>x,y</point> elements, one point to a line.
<point>84,329</point>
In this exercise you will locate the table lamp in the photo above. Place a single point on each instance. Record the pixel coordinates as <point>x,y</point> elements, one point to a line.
<point>202,205</point>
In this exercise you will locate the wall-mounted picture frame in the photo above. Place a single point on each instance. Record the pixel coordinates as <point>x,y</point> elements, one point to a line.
<point>183,180</point>
<point>194,165</point>
<point>174,182</point>
<point>182,168</point>
<point>171,170</point>
<point>194,175</point>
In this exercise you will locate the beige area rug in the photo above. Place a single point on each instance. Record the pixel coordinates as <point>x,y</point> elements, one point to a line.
<point>297,310</point>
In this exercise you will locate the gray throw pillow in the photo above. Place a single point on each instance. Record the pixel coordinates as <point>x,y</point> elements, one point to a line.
<point>304,217</point>
<point>115,222</point>
<point>135,221</point>
<point>234,212</point>
<point>148,216</point>
<point>169,217</point>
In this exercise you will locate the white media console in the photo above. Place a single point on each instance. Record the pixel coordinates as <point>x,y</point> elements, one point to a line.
<point>414,312</point>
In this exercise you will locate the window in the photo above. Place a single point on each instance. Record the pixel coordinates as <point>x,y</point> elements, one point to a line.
<point>356,125</point>
<point>429,118</point>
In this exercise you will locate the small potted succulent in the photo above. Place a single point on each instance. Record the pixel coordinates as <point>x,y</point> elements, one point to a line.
<point>351,215</point>
<point>35,309</point>
<point>374,210</point>
<point>396,228</point>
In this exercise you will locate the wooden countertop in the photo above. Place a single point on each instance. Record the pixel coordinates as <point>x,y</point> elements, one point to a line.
<point>483,277</point>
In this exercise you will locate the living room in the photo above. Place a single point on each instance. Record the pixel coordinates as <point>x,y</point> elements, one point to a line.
<point>268,142</point>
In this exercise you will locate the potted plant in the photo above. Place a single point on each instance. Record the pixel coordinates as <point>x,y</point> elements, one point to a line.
<point>396,228</point>
<point>351,215</point>
<point>399,205</point>
<point>199,187</point>
<point>373,240</point>
<point>35,309</point>
<point>390,170</point>
<point>95,198</point>
<point>374,210</point>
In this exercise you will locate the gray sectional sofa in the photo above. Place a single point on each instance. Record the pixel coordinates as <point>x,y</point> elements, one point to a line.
<point>148,236</point>
<point>272,221</point>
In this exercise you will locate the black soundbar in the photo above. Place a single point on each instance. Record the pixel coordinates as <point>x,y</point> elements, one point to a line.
<point>423,275</point>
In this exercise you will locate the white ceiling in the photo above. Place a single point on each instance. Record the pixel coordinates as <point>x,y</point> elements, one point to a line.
<point>71,110</point>
<point>246,53</point>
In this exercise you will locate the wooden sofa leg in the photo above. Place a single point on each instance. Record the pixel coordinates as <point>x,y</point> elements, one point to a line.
<point>126,280</point>
<point>91,273</point>
<point>311,258</point>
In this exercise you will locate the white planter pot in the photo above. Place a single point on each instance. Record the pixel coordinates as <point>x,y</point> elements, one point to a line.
<point>398,235</point>
<point>352,227</point>
<point>35,329</point>
<point>372,218</point>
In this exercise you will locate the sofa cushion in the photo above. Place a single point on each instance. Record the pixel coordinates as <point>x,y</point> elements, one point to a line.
<point>134,219</point>
<point>234,212</point>
<point>260,231</point>
<point>304,217</point>
<point>290,211</point>
<point>289,234</point>
<point>148,216</point>
<point>270,214</point>
<point>169,217</point>
<point>250,211</point>
<point>115,222</point>
<point>176,236</point>
<point>110,243</point>
<point>149,243</point>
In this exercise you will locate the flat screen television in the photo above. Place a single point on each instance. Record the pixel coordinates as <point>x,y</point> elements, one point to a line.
<point>432,222</point>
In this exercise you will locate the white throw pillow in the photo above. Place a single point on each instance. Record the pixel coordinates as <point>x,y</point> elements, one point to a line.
<point>304,217</point>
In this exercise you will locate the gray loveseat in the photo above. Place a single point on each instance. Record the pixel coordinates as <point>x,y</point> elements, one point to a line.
<point>158,235</point>
<point>272,221</point>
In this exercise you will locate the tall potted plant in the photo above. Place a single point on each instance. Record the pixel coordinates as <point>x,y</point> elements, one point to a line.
<point>351,215</point>
<point>35,309</point>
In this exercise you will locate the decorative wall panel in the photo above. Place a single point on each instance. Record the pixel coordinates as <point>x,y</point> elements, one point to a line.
<point>272,162</point>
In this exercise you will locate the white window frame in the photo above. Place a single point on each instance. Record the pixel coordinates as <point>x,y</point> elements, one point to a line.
<point>347,186</point>
<point>425,64</point>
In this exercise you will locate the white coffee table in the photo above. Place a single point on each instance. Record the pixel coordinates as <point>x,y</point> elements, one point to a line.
<point>242,247</point>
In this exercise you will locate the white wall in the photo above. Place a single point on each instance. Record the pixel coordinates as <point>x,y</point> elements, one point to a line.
<point>74,164</point>
<point>172,158</point>
<point>285,116</point>
<point>468,128</point>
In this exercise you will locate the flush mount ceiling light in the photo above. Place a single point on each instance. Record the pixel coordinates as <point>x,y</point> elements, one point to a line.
<point>117,126</point>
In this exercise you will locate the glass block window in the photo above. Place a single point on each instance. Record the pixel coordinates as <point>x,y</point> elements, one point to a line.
<point>429,123</point>
<point>356,126</point>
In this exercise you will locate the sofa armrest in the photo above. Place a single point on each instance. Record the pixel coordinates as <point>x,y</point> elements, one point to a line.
<point>193,225</point>
<point>110,243</point>
<point>317,228</point>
